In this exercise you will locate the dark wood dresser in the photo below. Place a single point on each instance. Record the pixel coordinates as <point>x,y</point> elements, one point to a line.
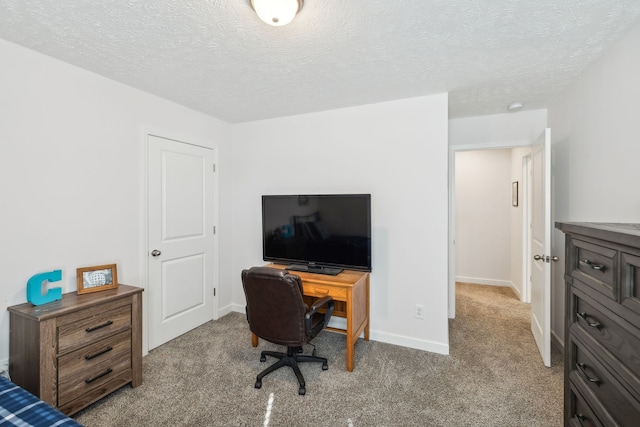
<point>602,329</point>
<point>76,350</point>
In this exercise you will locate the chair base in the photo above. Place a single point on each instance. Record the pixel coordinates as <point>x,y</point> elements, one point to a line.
<point>291,358</point>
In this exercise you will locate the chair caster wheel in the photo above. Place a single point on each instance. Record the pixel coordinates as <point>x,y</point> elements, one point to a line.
<point>325,366</point>
<point>302,391</point>
<point>258,384</point>
<point>314,352</point>
<point>263,358</point>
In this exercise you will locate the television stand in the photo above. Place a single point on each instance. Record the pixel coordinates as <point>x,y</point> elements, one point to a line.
<point>314,269</point>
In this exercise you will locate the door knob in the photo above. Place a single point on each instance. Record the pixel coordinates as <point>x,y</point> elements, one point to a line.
<point>546,258</point>
<point>155,252</point>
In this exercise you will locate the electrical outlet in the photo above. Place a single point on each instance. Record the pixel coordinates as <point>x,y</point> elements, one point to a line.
<point>418,313</point>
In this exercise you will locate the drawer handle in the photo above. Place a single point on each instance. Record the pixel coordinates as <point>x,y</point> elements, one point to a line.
<point>590,320</point>
<point>103,325</point>
<point>582,368</point>
<point>581,418</point>
<point>90,380</point>
<point>103,351</point>
<point>321,291</point>
<point>593,265</point>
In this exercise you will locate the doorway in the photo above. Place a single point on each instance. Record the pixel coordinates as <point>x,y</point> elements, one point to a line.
<point>524,162</point>
<point>494,172</point>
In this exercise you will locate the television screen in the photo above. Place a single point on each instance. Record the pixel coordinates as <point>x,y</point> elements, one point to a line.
<point>320,233</point>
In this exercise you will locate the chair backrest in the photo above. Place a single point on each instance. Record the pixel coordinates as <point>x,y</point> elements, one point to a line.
<point>275,308</point>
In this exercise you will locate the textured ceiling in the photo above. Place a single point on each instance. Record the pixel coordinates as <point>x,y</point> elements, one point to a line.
<point>217,57</point>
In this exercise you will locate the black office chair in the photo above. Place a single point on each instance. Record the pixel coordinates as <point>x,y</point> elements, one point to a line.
<point>277,313</point>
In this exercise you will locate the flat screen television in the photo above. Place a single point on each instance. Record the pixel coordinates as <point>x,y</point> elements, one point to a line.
<point>322,233</point>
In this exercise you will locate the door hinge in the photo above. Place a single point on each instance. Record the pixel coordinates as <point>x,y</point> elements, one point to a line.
<point>214,229</point>
<point>214,292</point>
<point>214,168</point>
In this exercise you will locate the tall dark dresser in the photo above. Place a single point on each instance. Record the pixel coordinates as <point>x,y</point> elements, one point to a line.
<point>602,324</point>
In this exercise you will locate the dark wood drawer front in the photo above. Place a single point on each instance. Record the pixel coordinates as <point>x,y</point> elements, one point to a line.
<point>602,324</point>
<point>630,282</point>
<point>619,339</point>
<point>92,366</point>
<point>597,266</point>
<point>581,414</point>
<point>94,327</point>
<point>589,373</point>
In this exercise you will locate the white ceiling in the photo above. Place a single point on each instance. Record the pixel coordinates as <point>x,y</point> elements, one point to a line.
<point>217,57</point>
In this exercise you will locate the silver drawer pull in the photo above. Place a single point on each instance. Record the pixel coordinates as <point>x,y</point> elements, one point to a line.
<point>102,325</point>
<point>92,379</point>
<point>590,320</point>
<point>593,265</point>
<point>582,368</point>
<point>103,351</point>
<point>581,418</point>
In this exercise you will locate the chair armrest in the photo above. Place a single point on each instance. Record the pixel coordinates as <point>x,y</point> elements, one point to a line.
<point>320,302</point>
<point>317,305</point>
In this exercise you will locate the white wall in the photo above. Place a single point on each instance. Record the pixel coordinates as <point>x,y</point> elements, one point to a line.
<point>71,168</point>
<point>595,130</point>
<point>483,216</point>
<point>497,130</point>
<point>397,151</point>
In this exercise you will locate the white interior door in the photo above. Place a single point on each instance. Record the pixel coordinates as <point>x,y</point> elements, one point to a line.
<point>541,245</point>
<point>180,237</point>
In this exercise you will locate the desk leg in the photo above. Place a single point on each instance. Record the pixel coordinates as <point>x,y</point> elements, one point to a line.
<point>254,340</point>
<point>350,344</point>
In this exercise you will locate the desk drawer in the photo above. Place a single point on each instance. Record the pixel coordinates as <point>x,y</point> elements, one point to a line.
<point>90,367</point>
<point>92,328</point>
<point>335,292</point>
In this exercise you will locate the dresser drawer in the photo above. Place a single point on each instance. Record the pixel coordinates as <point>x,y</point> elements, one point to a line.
<point>87,368</point>
<point>597,266</point>
<point>617,341</point>
<point>581,414</point>
<point>588,373</point>
<point>630,283</point>
<point>96,325</point>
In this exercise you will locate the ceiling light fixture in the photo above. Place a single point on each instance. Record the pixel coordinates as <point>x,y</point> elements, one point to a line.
<point>515,106</point>
<point>277,12</point>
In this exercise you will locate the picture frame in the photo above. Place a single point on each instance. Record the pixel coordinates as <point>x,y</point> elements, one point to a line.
<point>97,278</point>
<point>514,193</point>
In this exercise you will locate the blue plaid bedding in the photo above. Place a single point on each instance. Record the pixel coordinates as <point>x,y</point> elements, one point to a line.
<point>18,407</point>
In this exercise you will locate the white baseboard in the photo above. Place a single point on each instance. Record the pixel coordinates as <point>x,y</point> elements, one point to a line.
<point>404,341</point>
<point>223,311</point>
<point>410,342</point>
<point>481,281</point>
<point>4,368</point>
<point>490,282</point>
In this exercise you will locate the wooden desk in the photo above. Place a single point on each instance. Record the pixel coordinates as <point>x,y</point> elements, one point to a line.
<point>350,291</point>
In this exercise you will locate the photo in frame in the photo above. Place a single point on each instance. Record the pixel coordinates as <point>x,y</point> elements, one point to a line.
<point>514,193</point>
<point>97,278</point>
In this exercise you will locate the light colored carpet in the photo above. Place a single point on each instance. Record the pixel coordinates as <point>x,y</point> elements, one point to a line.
<point>493,377</point>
